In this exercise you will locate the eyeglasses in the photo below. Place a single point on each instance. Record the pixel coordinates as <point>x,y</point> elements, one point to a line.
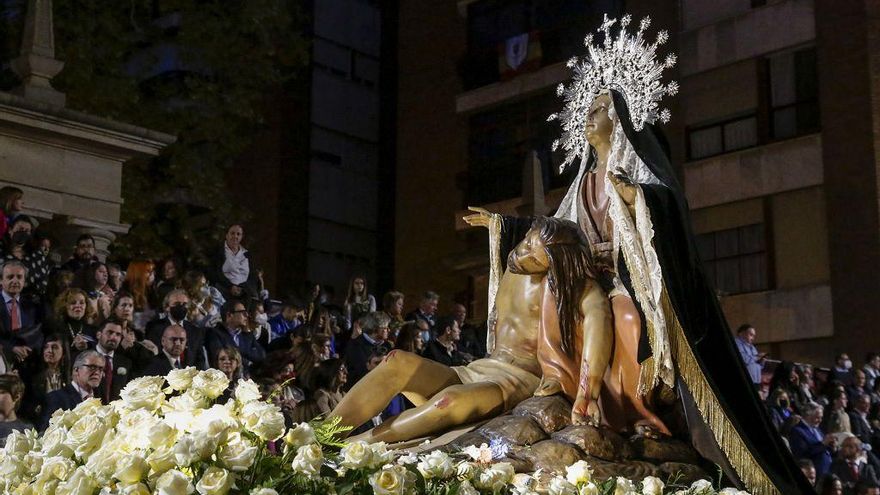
<point>93,368</point>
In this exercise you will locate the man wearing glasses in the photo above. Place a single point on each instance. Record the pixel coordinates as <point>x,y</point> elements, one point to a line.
<point>170,357</point>
<point>88,371</point>
<point>234,333</point>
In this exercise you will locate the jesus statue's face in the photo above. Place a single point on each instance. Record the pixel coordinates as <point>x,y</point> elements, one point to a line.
<point>530,256</point>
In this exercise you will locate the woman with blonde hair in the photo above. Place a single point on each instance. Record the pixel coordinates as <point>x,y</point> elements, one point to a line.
<point>139,280</point>
<point>70,316</point>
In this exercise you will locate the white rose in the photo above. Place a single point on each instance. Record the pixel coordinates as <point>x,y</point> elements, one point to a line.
<point>496,477</point>
<point>561,486</point>
<point>436,465</point>
<point>408,458</point>
<point>466,488</point>
<point>181,379</point>
<point>238,454</point>
<point>356,455</point>
<point>58,468</point>
<point>652,485</point>
<point>308,460</point>
<point>701,486</point>
<point>263,419</point>
<point>263,491</point>
<point>247,391</point>
<point>394,480</point>
<point>299,435</point>
<point>589,489</point>
<point>79,483</point>
<point>579,472</point>
<point>85,436</point>
<point>18,444</point>
<point>102,463</point>
<point>134,489</point>
<point>53,442</point>
<point>381,455</point>
<point>624,486</point>
<point>161,435</point>
<point>215,481</point>
<point>195,446</point>
<point>732,491</point>
<point>211,383</point>
<point>131,468</point>
<point>173,482</point>
<point>162,459</point>
<point>188,401</point>
<point>144,393</point>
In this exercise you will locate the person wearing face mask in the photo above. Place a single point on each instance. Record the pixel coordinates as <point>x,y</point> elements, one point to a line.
<point>779,407</point>
<point>19,245</point>
<point>176,312</point>
<point>842,371</point>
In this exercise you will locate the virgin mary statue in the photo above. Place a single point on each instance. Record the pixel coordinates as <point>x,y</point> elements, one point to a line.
<point>668,325</point>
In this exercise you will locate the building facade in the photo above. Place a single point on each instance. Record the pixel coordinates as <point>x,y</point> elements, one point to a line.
<point>773,134</point>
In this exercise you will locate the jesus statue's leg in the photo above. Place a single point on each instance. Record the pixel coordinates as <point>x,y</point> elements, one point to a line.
<point>401,372</point>
<point>455,405</point>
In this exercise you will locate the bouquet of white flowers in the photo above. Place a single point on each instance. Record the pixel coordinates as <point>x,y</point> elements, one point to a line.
<point>169,436</point>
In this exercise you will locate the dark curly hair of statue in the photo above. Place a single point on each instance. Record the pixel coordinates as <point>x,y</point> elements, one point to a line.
<point>571,271</point>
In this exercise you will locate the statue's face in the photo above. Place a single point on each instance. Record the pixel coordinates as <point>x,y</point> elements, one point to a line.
<point>530,256</point>
<point>598,128</point>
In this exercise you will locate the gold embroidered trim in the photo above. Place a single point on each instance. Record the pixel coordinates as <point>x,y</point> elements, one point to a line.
<point>747,467</point>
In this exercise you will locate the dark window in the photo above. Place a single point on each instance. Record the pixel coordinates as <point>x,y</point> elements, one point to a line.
<point>736,259</point>
<point>722,137</point>
<point>794,93</point>
<point>499,142</point>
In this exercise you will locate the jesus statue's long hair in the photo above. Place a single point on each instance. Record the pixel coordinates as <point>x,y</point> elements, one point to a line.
<point>571,270</point>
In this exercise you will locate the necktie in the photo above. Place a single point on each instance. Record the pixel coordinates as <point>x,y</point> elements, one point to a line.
<point>108,377</point>
<point>177,363</point>
<point>854,469</point>
<point>14,315</point>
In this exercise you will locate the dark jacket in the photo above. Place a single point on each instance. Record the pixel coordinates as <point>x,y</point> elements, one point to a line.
<point>436,351</point>
<point>842,469</point>
<point>356,356</point>
<point>806,444</point>
<point>159,366</point>
<point>30,321</point>
<point>122,373</point>
<point>65,398</point>
<point>251,350</point>
<point>194,354</point>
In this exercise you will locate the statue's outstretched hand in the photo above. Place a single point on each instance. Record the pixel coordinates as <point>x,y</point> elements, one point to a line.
<point>482,217</point>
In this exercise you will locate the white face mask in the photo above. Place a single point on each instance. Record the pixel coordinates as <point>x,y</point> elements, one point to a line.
<point>261,319</point>
<point>205,291</point>
<point>847,364</point>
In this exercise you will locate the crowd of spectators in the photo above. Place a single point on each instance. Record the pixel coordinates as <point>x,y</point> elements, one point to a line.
<point>830,418</point>
<point>80,328</point>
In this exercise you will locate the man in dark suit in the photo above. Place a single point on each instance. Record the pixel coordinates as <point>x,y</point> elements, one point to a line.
<point>234,333</point>
<point>851,467</point>
<point>117,367</point>
<point>88,370</point>
<point>443,347</point>
<point>20,335</point>
<point>374,333</point>
<point>170,356</point>
<point>176,306</point>
<point>807,441</point>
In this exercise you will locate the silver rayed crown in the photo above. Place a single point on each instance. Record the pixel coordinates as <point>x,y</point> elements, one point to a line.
<point>627,64</point>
